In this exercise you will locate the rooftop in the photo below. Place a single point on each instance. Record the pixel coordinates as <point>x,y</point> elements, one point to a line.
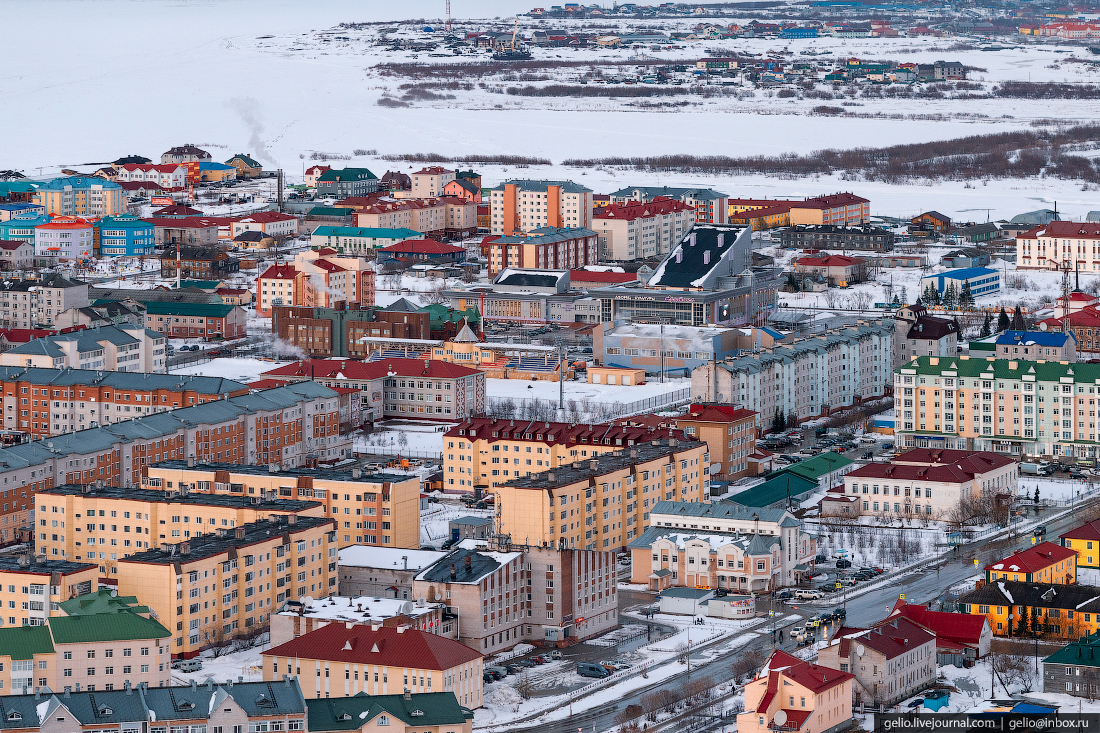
<point>175,497</point>
<point>213,545</point>
<point>364,556</point>
<point>325,474</point>
<point>465,565</point>
<point>381,646</point>
<point>1032,559</point>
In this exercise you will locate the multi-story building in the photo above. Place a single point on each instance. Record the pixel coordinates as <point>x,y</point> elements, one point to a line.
<point>340,331</point>
<point>196,320</point>
<point>22,226</point>
<point>302,617</point>
<point>1049,345</point>
<point>423,249</point>
<point>527,296</point>
<point>769,549</point>
<point>1075,668</point>
<point>196,237</point>
<point>103,651</point>
<point>77,196</point>
<point>428,216</point>
<point>980,281</point>
<point>838,270</point>
<point>829,236</point>
<point>169,176</point>
<point>16,254</point>
<point>662,349</point>
<point>359,241</point>
<point>499,603</point>
<point>385,506</point>
<point>1016,608</point>
<point>283,426</point>
<point>197,263</point>
<point>225,585</point>
<point>314,172</point>
<point>271,223</point>
<point>121,348</point>
<point>891,661</point>
<point>366,570</point>
<point>346,182</point>
<point>708,278</point>
<point>1060,244</point>
<point>316,278</point>
<point>187,153</point>
<point>460,216</point>
<point>840,209</point>
<point>729,432</point>
<point>478,452</point>
<point>795,695</point>
<point>64,238</point>
<point>1084,540</point>
<point>600,504</point>
<point>134,517</point>
<point>918,334</point>
<point>430,182</point>
<point>808,378</point>
<point>1004,405</point>
<point>32,587</point>
<point>711,207</point>
<point>542,248</point>
<point>377,660</point>
<point>1045,562</point>
<point>639,230</point>
<point>247,166</point>
<point>521,206</point>
<point>125,236</point>
<point>34,303</point>
<point>282,284</point>
<point>926,482</point>
<point>397,387</point>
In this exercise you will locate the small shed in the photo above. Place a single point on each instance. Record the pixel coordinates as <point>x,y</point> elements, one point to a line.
<point>685,601</point>
<point>616,375</point>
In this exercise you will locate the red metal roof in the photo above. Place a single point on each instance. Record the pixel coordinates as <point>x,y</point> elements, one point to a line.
<point>377,645</point>
<point>423,246</point>
<point>833,200</point>
<point>1074,229</point>
<point>710,413</point>
<point>829,261</point>
<point>1087,531</point>
<point>264,217</point>
<point>957,471</point>
<point>1032,559</point>
<point>177,210</point>
<point>963,628</point>
<point>811,676</point>
<point>616,434</point>
<point>601,277</point>
<point>659,206</point>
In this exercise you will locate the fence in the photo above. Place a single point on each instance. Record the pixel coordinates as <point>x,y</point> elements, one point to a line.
<point>584,410</point>
<point>395,450</point>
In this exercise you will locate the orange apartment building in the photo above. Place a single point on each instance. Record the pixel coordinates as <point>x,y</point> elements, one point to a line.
<point>793,695</point>
<point>730,434</point>
<point>521,206</point>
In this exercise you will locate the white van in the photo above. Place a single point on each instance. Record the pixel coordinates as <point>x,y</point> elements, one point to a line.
<point>808,595</point>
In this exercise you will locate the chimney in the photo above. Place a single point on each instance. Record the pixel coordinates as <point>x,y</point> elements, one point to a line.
<point>191,462</point>
<point>238,533</point>
<point>469,564</point>
<point>453,575</point>
<point>706,257</point>
<point>408,695</point>
<point>593,465</point>
<point>185,548</point>
<point>194,684</point>
<point>691,238</point>
<point>552,477</point>
<point>292,519</point>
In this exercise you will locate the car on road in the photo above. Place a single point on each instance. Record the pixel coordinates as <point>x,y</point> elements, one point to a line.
<point>842,564</point>
<point>866,439</point>
<point>591,669</point>
<point>798,630</point>
<point>808,595</point>
<point>790,458</point>
<point>1040,530</point>
<point>840,612</point>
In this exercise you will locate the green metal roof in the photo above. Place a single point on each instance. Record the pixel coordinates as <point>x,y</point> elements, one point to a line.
<point>244,159</point>
<point>425,709</point>
<point>215,310</point>
<point>441,314</point>
<point>330,211</point>
<point>1038,371</point>
<point>347,174</point>
<point>816,467</point>
<point>23,642</point>
<point>371,232</point>
<point>102,601</point>
<point>1085,652</point>
<point>775,490</point>
<point>106,627</point>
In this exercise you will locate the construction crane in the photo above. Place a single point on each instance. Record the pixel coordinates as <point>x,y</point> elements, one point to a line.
<point>447,22</point>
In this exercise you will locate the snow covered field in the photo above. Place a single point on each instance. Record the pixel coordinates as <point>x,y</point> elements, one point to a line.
<point>242,370</point>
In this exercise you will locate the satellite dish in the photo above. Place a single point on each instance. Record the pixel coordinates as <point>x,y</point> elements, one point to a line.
<point>307,601</point>
<point>860,649</point>
<point>438,597</point>
<point>780,717</point>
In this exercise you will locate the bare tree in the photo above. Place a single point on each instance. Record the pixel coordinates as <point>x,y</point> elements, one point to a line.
<point>434,294</point>
<point>861,300</point>
<point>682,651</point>
<point>525,687</point>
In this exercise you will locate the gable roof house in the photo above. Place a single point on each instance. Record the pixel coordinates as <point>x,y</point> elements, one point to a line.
<point>891,661</point>
<point>793,695</point>
<point>247,167</point>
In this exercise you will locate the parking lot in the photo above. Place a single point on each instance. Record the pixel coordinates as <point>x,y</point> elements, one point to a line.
<point>796,445</point>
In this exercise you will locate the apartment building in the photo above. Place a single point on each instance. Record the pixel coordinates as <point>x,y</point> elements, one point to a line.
<point>79,196</point>
<point>1016,608</point>
<point>186,153</point>
<point>711,207</point>
<point>343,662</point>
<point>340,331</point>
<point>1060,244</point>
<point>639,230</point>
<point>1049,345</point>
<point>542,248</point>
<point>34,303</point>
<point>301,617</point>
<point>271,223</point>
<point>32,587</point>
<point>200,259</point>
<point>64,238</point>
<point>891,661</point>
<point>521,206</point>
<point>916,333</point>
<point>521,593</point>
<point>673,349</point>
<point>424,388</point>
<point>808,378</point>
<point>430,182</point>
<point>134,517</point>
<point>792,694</point>
<point>385,506</point>
<point>104,651</point>
<point>346,182</point>
<point>1045,562</point>
<point>169,176</point>
<point>484,452</point>
<point>359,241</point>
<point>316,278</point>
<point>829,236</point>
<point>427,216</point>
<point>116,348</point>
<point>841,209</point>
<point>65,400</point>
<point>927,482</point>
<point>1084,540</point>
<point>1002,405</point>
<point>375,571</point>
<point>601,503</point>
<point>730,435</point>
<point>283,426</point>
<point>224,585</point>
<point>196,320</point>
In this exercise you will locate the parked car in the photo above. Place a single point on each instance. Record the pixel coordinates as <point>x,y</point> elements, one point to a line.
<point>842,563</point>
<point>808,595</point>
<point>555,654</point>
<point>187,665</point>
<point>591,669</point>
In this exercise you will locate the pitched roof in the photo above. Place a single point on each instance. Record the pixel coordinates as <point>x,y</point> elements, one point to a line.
<point>1084,598</point>
<point>931,328</point>
<point>892,637</point>
<point>280,272</point>
<point>957,471</point>
<point>829,261</point>
<point>470,566</point>
<point>1064,229</point>
<point>105,627</point>
<point>659,206</point>
<point>377,645</point>
<point>428,709</point>
<point>1088,531</point>
<point>775,490</point>
<point>250,162</point>
<point>210,310</point>
<point>1081,652</point>
<point>1032,559</point>
<point>1038,338</point>
<point>959,627</point>
<point>346,174</point>
<point>353,369</point>
<point>423,246</point>
<point>23,642</point>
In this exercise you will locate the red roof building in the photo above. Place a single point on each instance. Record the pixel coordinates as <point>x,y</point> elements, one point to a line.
<point>584,279</point>
<point>970,630</point>
<point>875,657</point>
<point>1048,246</point>
<point>177,211</point>
<point>788,691</point>
<point>1046,562</point>
<point>409,659</point>
<point>423,249</point>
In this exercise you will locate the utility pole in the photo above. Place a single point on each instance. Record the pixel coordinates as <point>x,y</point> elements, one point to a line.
<point>561,360</point>
<point>662,347</point>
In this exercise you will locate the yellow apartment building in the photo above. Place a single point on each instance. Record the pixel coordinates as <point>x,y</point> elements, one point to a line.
<point>483,452</point>
<point>32,587</point>
<point>109,523</point>
<point>1046,562</point>
<point>344,659</point>
<point>217,587</point>
<point>791,694</point>
<point>604,502</point>
<point>381,509</point>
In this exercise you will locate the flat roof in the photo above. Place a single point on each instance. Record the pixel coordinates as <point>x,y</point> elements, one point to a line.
<point>10,563</point>
<point>391,558</point>
<point>209,545</point>
<point>359,609</point>
<point>566,474</point>
<point>328,474</point>
<point>175,497</point>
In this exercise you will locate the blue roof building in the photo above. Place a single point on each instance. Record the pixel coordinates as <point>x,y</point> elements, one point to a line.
<point>22,226</point>
<point>125,235</point>
<point>1033,345</point>
<point>983,280</point>
<point>7,211</point>
<point>798,33</point>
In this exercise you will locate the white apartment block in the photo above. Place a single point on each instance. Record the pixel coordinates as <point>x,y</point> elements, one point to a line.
<point>1071,244</point>
<point>521,206</point>
<point>809,378</point>
<point>166,175</point>
<point>429,182</point>
<point>639,230</point>
<point>37,303</point>
<point>118,348</point>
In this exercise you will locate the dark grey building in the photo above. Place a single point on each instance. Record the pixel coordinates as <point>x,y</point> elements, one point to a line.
<point>347,182</point>
<point>827,236</point>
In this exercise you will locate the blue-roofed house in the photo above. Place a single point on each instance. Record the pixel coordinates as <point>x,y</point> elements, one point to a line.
<point>17,208</point>
<point>1034,345</point>
<point>80,196</point>
<point>22,226</point>
<point>216,172</point>
<point>124,235</point>
<point>982,280</point>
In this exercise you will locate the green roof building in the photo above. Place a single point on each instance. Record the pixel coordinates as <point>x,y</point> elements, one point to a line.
<point>776,491</point>
<point>359,240</point>
<point>434,710</point>
<point>825,470</point>
<point>102,601</point>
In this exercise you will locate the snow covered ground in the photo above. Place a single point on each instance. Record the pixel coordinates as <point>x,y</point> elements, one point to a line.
<point>589,395</point>
<point>420,437</point>
<point>434,519</point>
<point>242,370</point>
